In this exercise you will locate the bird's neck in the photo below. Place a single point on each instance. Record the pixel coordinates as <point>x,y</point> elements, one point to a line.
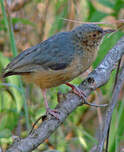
<point>87,52</point>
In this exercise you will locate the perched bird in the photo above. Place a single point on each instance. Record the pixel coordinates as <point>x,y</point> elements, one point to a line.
<point>59,59</point>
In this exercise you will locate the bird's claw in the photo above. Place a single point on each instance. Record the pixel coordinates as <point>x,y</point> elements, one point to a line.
<point>53,112</point>
<point>81,94</point>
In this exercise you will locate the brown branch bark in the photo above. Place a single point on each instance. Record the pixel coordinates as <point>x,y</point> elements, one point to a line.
<point>43,19</point>
<point>17,5</point>
<point>100,76</point>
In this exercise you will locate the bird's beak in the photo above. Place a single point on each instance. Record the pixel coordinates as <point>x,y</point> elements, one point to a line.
<point>108,31</point>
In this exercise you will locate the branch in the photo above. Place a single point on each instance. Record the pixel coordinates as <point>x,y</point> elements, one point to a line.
<point>99,77</point>
<point>109,112</point>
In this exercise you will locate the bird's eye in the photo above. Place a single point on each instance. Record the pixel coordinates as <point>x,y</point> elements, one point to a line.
<point>94,35</point>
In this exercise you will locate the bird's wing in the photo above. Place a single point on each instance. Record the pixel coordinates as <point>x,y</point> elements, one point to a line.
<point>56,53</point>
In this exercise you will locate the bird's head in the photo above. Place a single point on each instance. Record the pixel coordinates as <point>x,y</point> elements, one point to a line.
<point>89,36</point>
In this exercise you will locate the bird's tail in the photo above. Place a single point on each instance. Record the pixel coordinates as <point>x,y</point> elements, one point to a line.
<point>9,72</point>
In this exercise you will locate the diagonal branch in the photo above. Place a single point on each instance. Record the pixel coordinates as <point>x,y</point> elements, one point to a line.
<point>99,77</point>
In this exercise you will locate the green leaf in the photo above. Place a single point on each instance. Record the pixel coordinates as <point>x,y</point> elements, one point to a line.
<point>9,26</point>
<point>117,7</point>
<point>5,133</point>
<point>91,9</point>
<point>97,16</point>
<point>106,3</point>
<point>23,21</point>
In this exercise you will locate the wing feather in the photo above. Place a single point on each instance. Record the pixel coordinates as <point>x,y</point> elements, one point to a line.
<point>55,53</point>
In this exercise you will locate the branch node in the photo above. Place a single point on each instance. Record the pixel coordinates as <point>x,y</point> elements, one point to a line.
<point>16,139</point>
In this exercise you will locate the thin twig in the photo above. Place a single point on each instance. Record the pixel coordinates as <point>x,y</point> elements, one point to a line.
<point>33,126</point>
<point>109,112</point>
<point>81,22</point>
<point>117,73</point>
<point>116,78</point>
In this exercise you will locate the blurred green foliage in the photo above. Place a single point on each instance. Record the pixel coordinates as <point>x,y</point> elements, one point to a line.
<point>23,28</point>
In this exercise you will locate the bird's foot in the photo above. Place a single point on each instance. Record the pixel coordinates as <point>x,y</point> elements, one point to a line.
<point>53,112</point>
<point>77,90</point>
<point>81,94</point>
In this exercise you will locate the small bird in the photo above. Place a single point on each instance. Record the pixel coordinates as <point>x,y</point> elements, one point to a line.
<point>59,59</point>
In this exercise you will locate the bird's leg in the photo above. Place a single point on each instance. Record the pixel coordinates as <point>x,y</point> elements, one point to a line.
<point>53,112</point>
<point>81,94</point>
<point>76,90</point>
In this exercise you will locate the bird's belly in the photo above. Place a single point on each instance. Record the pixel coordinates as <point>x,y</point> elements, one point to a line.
<point>52,78</point>
<point>48,79</point>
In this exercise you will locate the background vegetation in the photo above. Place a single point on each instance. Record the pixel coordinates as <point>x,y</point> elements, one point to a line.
<point>24,23</point>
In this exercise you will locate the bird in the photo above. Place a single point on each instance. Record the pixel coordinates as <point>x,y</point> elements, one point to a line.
<point>59,59</point>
